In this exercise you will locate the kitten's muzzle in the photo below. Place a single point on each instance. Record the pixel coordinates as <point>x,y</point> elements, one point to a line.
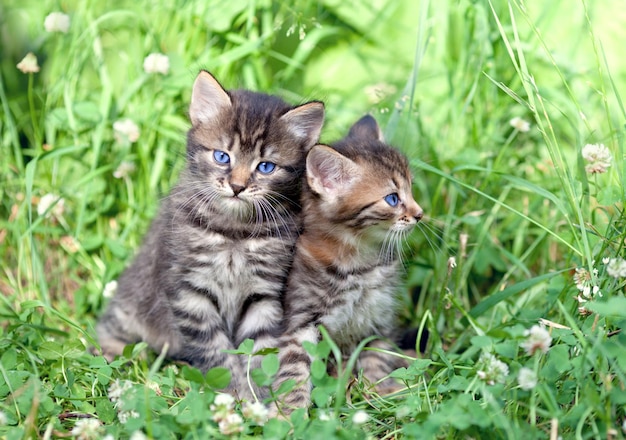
<point>237,188</point>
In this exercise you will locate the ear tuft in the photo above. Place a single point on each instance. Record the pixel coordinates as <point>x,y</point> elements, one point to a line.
<point>305,122</point>
<point>366,128</point>
<point>328,171</point>
<point>208,99</point>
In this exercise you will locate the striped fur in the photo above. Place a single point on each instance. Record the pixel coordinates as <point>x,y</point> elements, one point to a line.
<point>213,266</point>
<point>345,271</point>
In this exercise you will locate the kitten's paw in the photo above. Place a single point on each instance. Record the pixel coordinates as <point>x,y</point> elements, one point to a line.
<point>110,347</point>
<point>277,413</point>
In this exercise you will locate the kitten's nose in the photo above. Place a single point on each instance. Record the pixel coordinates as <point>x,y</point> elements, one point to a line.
<point>237,188</point>
<point>416,211</point>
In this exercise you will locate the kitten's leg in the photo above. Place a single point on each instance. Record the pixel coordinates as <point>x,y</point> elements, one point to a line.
<point>261,320</point>
<point>205,346</point>
<point>261,341</point>
<point>295,363</point>
<point>204,334</point>
<point>128,320</point>
<point>377,365</point>
<point>115,330</point>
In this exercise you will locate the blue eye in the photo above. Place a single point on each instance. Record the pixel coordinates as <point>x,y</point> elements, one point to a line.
<point>392,199</point>
<point>221,157</point>
<point>266,167</point>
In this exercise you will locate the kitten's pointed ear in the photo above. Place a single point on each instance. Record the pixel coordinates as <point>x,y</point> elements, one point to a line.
<point>329,172</point>
<point>366,128</point>
<point>305,122</point>
<point>208,99</point>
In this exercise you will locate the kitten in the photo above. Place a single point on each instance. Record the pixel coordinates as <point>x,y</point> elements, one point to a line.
<point>212,268</point>
<point>357,208</point>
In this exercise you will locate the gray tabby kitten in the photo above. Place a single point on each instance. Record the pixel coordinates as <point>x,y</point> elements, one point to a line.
<point>213,266</point>
<point>357,208</point>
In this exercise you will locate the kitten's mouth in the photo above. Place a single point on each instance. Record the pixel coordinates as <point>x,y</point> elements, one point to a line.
<point>238,206</point>
<point>405,227</point>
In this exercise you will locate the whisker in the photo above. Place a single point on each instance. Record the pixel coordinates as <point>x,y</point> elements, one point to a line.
<point>285,217</point>
<point>432,237</point>
<point>193,204</point>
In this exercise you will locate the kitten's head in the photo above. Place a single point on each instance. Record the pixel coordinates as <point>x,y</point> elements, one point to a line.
<point>246,150</point>
<point>363,185</point>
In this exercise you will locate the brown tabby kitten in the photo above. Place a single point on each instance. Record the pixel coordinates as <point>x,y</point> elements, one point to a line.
<point>357,208</point>
<point>214,263</point>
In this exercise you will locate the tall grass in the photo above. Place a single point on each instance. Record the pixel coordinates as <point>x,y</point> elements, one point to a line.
<point>517,233</point>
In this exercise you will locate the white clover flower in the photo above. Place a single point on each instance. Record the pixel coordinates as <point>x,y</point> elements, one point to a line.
<point>109,291</point>
<point>581,278</point>
<point>595,291</point>
<point>123,170</point>
<point>538,339</point>
<point>108,437</point>
<point>87,429</point>
<point>616,267</point>
<point>520,124</point>
<point>323,416</point>
<point>581,300</point>
<point>3,418</point>
<point>222,406</point>
<point>125,130</point>
<point>585,282</point>
<point>117,389</point>
<point>47,201</point>
<point>491,369</point>
<point>28,64</point>
<point>224,400</point>
<point>156,63</point>
<point>231,424</point>
<point>598,157</point>
<point>57,22</point>
<point>255,412</point>
<point>360,417</point>
<point>173,368</point>
<point>124,416</point>
<point>584,311</point>
<point>527,379</point>
<point>154,387</point>
<point>138,435</point>
<point>451,263</point>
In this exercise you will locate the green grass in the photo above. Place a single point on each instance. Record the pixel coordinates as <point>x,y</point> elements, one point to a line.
<point>450,76</point>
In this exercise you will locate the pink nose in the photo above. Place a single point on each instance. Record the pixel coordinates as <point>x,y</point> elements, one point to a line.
<point>415,211</point>
<point>237,188</point>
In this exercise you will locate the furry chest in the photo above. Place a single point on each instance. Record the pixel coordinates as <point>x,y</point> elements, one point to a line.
<point>232,271</point>
<point>231,268</point>
<point>364,306</point>
<point>233,264</point>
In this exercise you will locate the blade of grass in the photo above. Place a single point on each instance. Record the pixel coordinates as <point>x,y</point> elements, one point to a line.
<point>499,296</point>
<point>537,106</point>
<point>423,165</point>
